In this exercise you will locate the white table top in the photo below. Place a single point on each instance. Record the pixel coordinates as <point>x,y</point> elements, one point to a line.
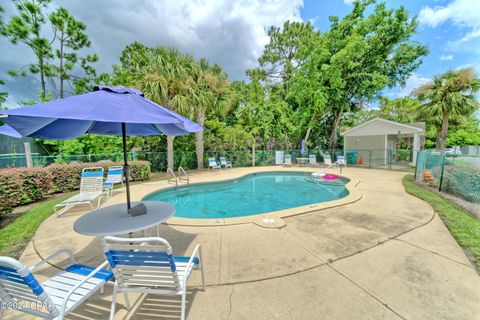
<point>114,220</point>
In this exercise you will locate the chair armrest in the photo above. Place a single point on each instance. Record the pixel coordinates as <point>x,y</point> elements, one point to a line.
<point>90,275</point>
<point>54,255</point>
<point>196,253</point>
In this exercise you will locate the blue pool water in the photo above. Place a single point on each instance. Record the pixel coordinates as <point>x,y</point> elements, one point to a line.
<point>249,195</point>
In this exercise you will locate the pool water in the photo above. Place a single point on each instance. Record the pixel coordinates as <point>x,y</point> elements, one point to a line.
<point>249,195</point>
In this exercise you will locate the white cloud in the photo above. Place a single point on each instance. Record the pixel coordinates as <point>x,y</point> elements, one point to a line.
<point>413,83</point>
<point>349,2</point>
<point>229,33</point>
<point>463,13</point>
<point>446,57</point>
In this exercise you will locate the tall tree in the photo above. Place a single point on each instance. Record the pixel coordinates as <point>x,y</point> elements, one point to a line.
<point>356,58</point>
<point>26,28</point>
<point>211,93</point>
<point>164,75</point>
<point>70,34</point>
<point>449,94</point>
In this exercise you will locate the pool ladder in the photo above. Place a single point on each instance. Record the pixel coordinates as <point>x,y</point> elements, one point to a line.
<point>181,177</point>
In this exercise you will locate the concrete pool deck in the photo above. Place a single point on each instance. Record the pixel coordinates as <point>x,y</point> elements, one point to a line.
<point>386,255</point>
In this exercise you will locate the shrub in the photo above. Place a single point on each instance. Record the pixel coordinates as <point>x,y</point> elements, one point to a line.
<point>10,191</point>
<point>463,182</point>
<point>20,186</point>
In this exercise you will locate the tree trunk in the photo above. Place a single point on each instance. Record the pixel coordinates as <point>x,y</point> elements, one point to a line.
<point>199,141</point>
<point>336,124</point>
<point>170,151</point>
<point>42,78</point>
<point>438,138</point>
<point>307,135</point>
<point>444,131</point>
<point>61,66</point>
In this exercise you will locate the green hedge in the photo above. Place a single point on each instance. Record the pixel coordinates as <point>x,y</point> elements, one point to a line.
<point>19,186</point>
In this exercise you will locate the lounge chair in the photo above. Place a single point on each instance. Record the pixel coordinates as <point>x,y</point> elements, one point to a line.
<point>327,160</point>
<point>312,159</point>
<point>114,176</point>
<point>225,163</point>
<point>147,265</point>
<point>212,164</point>
<point>341,161</point>
<point>91,188</point>
<point>288,160</point>
<point>59,295</point>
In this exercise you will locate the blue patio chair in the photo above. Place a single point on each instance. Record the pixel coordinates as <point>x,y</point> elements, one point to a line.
<point>212,164</point>
<point>225,163</point>
<point>147,265</point>
<point>54,298</point>
<point>114,176</point>
<point>91,188</point>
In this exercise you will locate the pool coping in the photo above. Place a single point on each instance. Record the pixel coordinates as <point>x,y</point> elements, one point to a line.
<point>274,219</point>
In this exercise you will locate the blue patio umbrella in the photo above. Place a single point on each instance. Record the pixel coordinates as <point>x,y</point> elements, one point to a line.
<point>115,111</point>
<point>302,151</point>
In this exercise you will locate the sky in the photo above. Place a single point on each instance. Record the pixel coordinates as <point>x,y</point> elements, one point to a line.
<point>233,33</point>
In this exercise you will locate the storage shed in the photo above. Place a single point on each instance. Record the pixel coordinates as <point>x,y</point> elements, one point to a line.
<point>380,136</point>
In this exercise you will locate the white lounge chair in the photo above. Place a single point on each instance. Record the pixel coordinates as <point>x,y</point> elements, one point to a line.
<point>327,160</point>
<point>225,163</point>
<point>59,295</point>
<point>147,265</point>
<point>114,176</point>
<point>91,188</point>
<point>212,164</point>
<point>288,160</point>
<point>312,159</point>
<point>341,161</point>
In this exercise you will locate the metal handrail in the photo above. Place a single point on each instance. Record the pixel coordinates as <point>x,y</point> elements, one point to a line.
<point>173,180</point>
<point>185,175</point>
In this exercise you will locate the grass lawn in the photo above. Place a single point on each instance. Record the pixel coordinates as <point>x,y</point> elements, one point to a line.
<point>463,226</point>
<point>16,235</point>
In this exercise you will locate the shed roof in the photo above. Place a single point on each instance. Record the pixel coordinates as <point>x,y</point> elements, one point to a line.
<point>379,126</point>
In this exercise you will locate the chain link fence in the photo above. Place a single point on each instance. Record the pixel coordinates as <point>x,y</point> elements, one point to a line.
<point>377,158</point>
<point>459,176</point>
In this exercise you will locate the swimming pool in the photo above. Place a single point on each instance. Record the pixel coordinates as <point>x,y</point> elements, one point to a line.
<point>252,194</point>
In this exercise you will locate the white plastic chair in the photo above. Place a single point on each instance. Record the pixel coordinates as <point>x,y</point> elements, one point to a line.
<point>288,160</point>
<point>54,298</point>
<point>212,164</point>
<point>147,265</point>
<point>327,160</point>
<point>312,159</point>
<point>91,188</point>
<point>225,163</point>
<point>114,176</point>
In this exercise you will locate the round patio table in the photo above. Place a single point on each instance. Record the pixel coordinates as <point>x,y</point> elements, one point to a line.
<point>114,220</point>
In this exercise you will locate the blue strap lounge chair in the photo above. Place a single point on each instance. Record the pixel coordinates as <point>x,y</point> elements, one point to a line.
<point>287,160</point>
<point>57,296</point>
<point>312,159</point>
<point>91,188</point>
<point>212,164</point>
<point>114,176</point>
<point>225,163</point>
<point>147,265</point>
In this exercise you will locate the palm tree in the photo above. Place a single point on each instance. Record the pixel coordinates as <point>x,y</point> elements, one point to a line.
<point>211,93</point>
<point>451,94</point>
<point>166,79</point>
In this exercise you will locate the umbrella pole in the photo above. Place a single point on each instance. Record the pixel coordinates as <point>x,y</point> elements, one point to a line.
<point>125,164</point>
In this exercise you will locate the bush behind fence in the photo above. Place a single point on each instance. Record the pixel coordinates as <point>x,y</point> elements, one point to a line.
<point>449,174</point>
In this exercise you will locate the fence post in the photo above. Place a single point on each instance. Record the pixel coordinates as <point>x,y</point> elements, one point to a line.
<point>28,154</point>
<point>442,171</point>
<point>416,165</point>
<point>369,159</point>
<point>253,155</point>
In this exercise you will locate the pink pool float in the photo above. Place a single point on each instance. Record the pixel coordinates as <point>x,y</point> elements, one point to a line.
<point>330,177</point>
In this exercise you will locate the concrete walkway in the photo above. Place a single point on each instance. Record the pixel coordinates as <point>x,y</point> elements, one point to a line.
<point>385,256</point>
